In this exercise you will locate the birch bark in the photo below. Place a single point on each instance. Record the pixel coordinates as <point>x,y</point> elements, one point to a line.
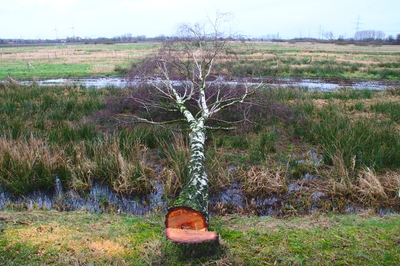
<point>195,193</point>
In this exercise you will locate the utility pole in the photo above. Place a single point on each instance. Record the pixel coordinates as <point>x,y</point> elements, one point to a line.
<point>358,24</point>
<point>320,32</point>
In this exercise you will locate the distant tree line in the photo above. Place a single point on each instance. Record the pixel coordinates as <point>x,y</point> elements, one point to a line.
<point>360,37</point>
<point>369,35</point>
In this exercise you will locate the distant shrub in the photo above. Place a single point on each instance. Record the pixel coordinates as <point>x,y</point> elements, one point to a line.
<point>120,70</point>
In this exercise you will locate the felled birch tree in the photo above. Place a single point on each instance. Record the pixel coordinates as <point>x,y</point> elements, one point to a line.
<point>183,73</point>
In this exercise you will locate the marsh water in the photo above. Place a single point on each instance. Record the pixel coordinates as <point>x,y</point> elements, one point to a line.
<point>311,84</point>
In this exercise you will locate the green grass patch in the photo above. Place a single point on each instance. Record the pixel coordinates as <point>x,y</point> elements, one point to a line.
<point>70,61</point>
<point>59,238</point>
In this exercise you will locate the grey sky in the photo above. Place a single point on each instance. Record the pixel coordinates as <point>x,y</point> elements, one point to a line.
<point>33,19</point>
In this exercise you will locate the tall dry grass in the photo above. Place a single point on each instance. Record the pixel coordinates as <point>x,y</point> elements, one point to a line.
<point>176,155</point>
<point>263,181</point>
<point>27,164</point>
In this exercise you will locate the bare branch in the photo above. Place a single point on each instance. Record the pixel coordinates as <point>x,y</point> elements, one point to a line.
<point>180,72</point>
<point>151,122</point>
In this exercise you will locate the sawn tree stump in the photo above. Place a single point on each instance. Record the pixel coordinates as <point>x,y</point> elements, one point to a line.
<point>184,225</point>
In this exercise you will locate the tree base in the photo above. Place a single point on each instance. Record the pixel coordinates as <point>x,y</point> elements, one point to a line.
<point>188,228</point>
<point>199,250</point>
<point>183,236</point>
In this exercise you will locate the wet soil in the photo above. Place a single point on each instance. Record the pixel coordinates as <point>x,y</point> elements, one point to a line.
<point>299,199</point>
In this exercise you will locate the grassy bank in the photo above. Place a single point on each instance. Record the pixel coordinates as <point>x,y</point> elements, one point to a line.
<point>77,238</point>
<point>310,60</point>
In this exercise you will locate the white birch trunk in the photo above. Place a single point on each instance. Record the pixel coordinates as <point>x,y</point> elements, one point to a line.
<point>195,194</point>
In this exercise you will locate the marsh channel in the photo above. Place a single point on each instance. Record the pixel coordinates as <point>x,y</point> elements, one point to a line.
<point>325,85</point>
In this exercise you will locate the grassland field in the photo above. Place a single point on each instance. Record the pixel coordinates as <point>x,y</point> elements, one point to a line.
<point>318,60</point>
<point>347,140</point>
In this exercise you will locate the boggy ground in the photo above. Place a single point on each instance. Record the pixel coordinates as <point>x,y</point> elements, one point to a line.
<point>299,152</point>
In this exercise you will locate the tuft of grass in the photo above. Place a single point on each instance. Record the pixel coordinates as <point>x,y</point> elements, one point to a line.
<point>264,145</point>
<point>258,181</point>
<point>345,94</point>
<point>219,174</point>
<point>392,109</point>
<point>26,165</point>
<point>125,169</point>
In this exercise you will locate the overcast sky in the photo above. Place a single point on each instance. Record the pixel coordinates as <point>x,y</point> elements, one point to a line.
<point>48,19</point>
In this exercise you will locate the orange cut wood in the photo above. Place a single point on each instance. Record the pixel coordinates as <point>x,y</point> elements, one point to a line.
<point>185,218</point>
<point>190,236</point>
<point>187,226</point>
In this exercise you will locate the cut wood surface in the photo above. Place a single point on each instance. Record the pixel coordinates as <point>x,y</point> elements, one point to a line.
<point>187,226</point>
<point>185,218</point>
<point>190,236</point>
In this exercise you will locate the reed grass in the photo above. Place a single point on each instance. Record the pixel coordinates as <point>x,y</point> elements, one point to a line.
<point>359,143</point>
<point>258,180</point>
<point>264,144</point>
<point>27,165</point>
<point>47,135</point>
<point>392,109</point>
<point>177,155</point>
